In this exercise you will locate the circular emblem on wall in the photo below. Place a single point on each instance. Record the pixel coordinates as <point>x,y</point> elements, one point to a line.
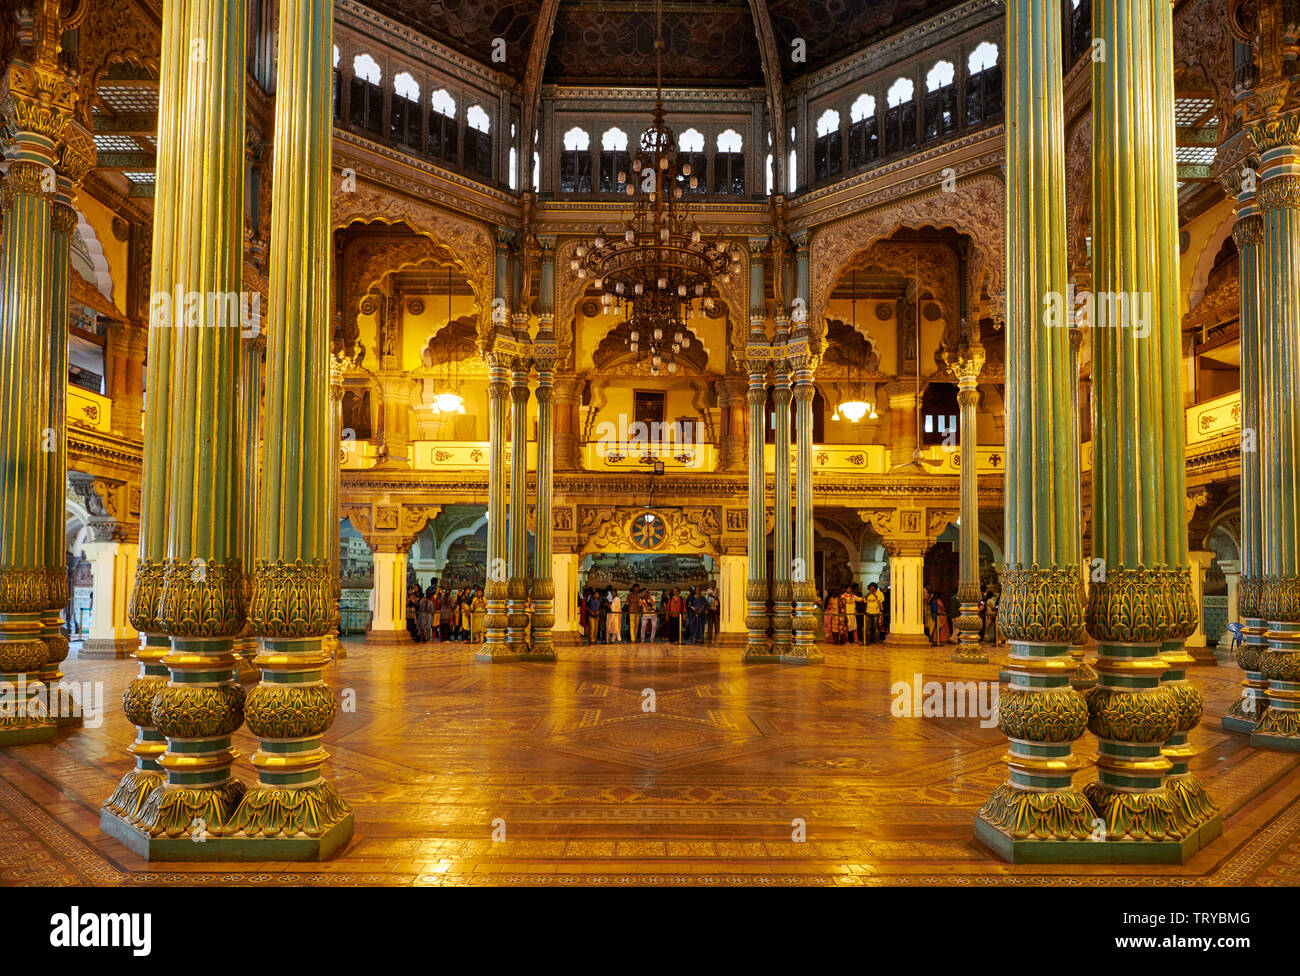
<point>884,311</point>
<point>589,309</point>
<point>932,312</point>
<point>415,306</point>
<point>368,305</point>
<point>647,531</point>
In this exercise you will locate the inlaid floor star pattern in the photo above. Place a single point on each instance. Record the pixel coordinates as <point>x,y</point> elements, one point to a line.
<point>637,765</point>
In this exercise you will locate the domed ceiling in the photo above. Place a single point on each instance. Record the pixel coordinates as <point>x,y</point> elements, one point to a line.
<point>711,42</point>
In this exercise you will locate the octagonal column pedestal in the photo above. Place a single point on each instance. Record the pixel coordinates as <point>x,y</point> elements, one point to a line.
<point>1194,810</point>
<point>127,801</point>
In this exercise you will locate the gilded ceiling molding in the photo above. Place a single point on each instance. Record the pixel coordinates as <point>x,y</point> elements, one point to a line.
<point>127,32</point>
<point>1203,46</point>
<point>468,243</point>
<point>976,208</point>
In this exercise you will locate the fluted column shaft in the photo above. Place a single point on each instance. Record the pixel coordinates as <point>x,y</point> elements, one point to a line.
<point>202,605</point>
<point>517,633</point>
<point>968,586</point>
<point>782,558</point>
<point>1278,142</point>
<point>170,244</point>
<point>294,605</point>
<point>543,572</point>
<point>1137,605</point>
<point>1041,613</point>
<point>498,564</point>
<point>26,310</point>
<point>756,616</point>
<point>804,573</point>
<point>1246,711</point>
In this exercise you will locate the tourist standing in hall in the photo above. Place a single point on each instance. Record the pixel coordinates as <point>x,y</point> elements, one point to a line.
<point>614,619</point>
<point>927,613</point>
<point>593,616</point>
<point>699,611</point>
<point>582,613</point>
<point>649,618</point>
<point>634,613</point>
<point>872,603</point>
<point>860,612</point>
<point>674,607</point>
<point>477,617</point>
<point>713,614</point>
<point>412,608</point>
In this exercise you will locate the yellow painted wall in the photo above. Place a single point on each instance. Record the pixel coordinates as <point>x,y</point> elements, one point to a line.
<point>116,252</point>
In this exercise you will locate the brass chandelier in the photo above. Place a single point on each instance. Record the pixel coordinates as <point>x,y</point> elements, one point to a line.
<point>660,268</point>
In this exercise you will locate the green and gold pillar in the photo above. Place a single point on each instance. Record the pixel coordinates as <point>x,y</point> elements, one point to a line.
<point>966,364</point>
<point>517,594</point>
<point>804,362</point>
<point>758,358</point>
<point>1132,606</point>
<point>293,811</point>
<point>202,606</point>
<point>544,354</point>
<point>1244,713</point>
<point>38,105</point>
<point>1194,810</point>
<point>1037,815</point>
<point>496,589</point>
<point>1277,140</point>
<point>782,557</point>
<point>333,646</point>
<point>170,243</point>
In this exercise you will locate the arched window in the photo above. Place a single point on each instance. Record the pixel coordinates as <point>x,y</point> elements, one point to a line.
<point>690,152</point>
<point>940,100</point>
<point>478,142</point>
<point>900,117</point>
<point>769,175</point>
<point>404,110</point>
<point>366,102</point>
<point>614,161</point>
<point>537,172</point>
<point>983,85</point>
<point>729,164</point>
<point>864,131</point>
<point>575,162</point>
<point>443,131</point>
<point>939,415</point>
<point>828,152</point>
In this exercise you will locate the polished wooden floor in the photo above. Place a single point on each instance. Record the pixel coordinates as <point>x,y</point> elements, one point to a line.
<point>594,789</point>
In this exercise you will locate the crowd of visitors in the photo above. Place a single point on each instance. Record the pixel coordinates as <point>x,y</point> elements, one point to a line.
<point>440,614</point>
<point>606,617</point>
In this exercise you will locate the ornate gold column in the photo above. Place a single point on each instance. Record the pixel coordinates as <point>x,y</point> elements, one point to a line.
<point>758,357</point>
<point>293,811</point>
<point>966,362</point>
<point>805,650</point>
<point>201,604</point>
<point>170,244</point>
<point>544,355</point>
<point>1037,814</point>
<point>1194,811</point>
<point>331,643</point>
<point>1246,711</point>
<point>76,156</point>
<point>35,197</point>
<point>517,606</point>
<point>1276,138</point>
<point>1138,606</point>
<point>782,561</point>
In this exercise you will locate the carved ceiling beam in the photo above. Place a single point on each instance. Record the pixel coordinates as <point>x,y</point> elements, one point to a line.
<point>771,58</point>
<point>533,84</point>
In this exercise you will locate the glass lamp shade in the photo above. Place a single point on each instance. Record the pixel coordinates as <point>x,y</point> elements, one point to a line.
<point>449,403</point>
<point>855,410</point>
